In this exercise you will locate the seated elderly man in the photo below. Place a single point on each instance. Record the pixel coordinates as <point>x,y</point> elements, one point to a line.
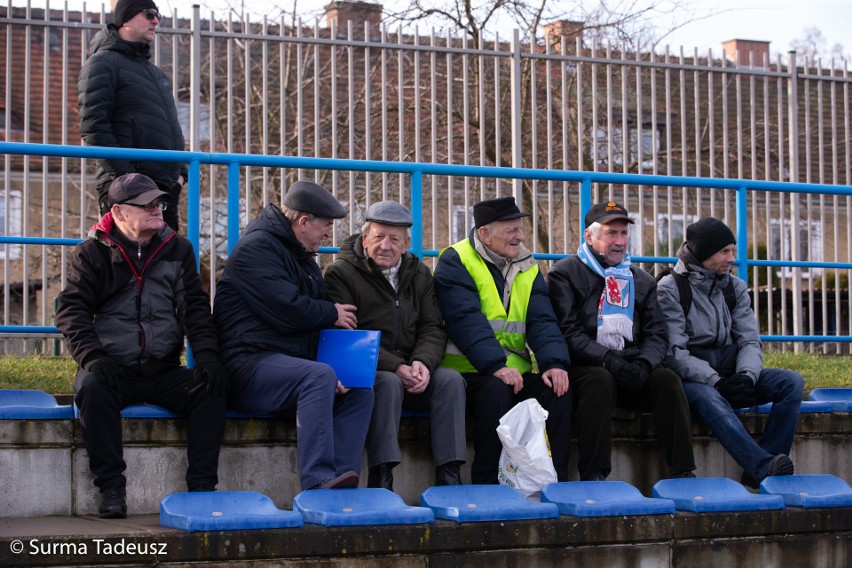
<point>394,293</point>
<point>270,307</point>
<point>608,313</point>
<point>715,348</point>
<point>132,292</point>
<point>495,303</point>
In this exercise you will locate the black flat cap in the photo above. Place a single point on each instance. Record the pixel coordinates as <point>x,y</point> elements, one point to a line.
<point>310,197</point>
<point>500,209</point>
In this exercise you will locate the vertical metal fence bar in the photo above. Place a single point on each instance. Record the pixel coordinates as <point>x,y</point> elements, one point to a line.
<point>579,116</point>
<point>835,207</point>
<point>684,152</point>
<point>317,116</point>
<point>517,112</point>
<point>466,120</point>
<point>284,49</point>
<point>350,131</point>
<point>384,106</point>
<point>481,116</point>
<point>711,130</point>
<point>333,110</point>
<point>609,120</point>
<point>793,103</point>
<point>809,226</point>
<point>533,125</point>
<point>450,128</point>
<point>655,152</point>
<point>7,172</point>
<point>847,135</point>
<point>699,139</point>
<point>213,208</point>
<point>563,68</point>
<point>264,105</point>
<point>549,147</point>
<point>625,131</point>
<point>300,97</point>
<point>25,221</point>
<point>63,182</point>
<point>45,192</point>
<point>725,79</point>
<point>639,232</point>
<point>669,148</point>
<point>247,89</point>
<point>808,135</point>
<point>400,95</point>
<point>754,232</point>
<point>433,133</point>
<point>368,115</point>
<point>498,119</point>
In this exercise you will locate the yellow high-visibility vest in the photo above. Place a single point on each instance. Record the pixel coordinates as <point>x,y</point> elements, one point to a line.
<point>509,329</point>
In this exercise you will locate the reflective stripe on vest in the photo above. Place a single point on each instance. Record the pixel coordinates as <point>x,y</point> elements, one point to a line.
<point>509,329</point>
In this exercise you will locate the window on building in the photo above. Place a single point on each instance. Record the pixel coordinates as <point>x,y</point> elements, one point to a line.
<point>638,140</point>
<point>810,244</point>
<point>11,214</point>
<point>184,117</point>
<point>678,224</point>
<point>459,229</point>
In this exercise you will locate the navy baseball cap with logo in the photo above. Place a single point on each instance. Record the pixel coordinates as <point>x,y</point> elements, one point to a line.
<point>605,212</point>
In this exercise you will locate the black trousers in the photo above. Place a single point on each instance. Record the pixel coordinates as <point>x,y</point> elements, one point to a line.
<point>176,390</point>
<point>488,399</point>
<point>595,393</point>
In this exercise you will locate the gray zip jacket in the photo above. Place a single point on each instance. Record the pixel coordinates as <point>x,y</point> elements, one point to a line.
<point>711,342</point>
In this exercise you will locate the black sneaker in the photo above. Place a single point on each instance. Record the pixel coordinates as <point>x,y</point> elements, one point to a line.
<point>780,465</point>
<point>113,505</point>
<point>684,475</point>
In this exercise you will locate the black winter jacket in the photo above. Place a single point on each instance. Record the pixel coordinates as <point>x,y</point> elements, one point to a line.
<point>407,317</point>
<point>458,298</point>
<point>575,292</point>
<point>135,312</point>
<point>126,102</point>
<point>270,299</point>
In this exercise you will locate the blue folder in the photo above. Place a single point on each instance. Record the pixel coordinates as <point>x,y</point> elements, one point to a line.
<point>352,353</point>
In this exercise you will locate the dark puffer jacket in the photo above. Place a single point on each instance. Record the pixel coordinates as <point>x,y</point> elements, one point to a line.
<point>407,317</point>
<point>270,299</point>
<point>126,102</point>
<point>575,292</point>
<point>135,312</point>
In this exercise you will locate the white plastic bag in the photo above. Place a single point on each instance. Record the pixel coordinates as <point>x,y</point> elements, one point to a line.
<point>525,462</point>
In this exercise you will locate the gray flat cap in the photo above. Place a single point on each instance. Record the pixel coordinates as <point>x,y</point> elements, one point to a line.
<point>309,197</point>
<point>389,213</point>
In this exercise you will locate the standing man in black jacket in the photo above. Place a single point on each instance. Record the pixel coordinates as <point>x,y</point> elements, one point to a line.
<point>126,102</point>
<point>133,291</point>
<point>394,293</point>
<point>608,313</point>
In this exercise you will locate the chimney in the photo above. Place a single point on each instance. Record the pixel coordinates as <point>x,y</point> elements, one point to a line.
<point>341,12</point>
<point>555,31</point>
<point>750,50</point>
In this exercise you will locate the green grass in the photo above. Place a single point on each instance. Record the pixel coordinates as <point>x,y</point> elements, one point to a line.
<point>56,374</point>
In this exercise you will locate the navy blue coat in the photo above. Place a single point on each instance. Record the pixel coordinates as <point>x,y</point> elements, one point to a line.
<point>468,328</point>
<point>270,299</point>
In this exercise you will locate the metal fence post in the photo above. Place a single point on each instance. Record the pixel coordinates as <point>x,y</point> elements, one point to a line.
<point>795,241</point>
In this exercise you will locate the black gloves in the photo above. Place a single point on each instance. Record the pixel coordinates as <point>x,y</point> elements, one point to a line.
<point>738,389</point>
<point>629,376</point>
<point>212,373</point>
<point>107,371</point>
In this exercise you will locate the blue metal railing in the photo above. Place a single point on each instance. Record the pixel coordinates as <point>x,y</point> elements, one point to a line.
<point>416,171</point>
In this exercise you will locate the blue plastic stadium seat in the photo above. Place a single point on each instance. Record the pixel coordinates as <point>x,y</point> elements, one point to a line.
<point>603,499</point>
<point>148,411</point>
<point>224,510</point>
<point>471,503</point>
<point>708,494</point>
<point>809,490</point>
<point>842,396</point>
<point>358,507</point>
<point>352,353</point>
<point>808,406</point>
<point>18,404</point>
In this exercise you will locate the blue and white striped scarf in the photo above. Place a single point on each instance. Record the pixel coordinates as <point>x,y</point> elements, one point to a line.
<point>615,309</point>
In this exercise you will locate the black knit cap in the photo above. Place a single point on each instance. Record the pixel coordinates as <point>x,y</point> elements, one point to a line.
<point>310,197</point>
<point>126,9</point>
<point>707,236</point>
<point>500,209</point>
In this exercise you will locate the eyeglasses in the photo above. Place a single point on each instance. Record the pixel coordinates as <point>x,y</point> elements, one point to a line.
<point>161,205</point>
<point>151,13</point>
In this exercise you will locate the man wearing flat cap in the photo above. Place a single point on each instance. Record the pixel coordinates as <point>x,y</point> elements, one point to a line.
<point>270,307</point>
<point>495,304</point>
<point>394,293</point>
<point>715,348</point>
<point>608,313</point>
<point>133,292</point>
<point>126,102</point>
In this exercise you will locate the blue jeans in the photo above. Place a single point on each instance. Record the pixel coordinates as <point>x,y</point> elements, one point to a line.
<point>782,388</point>
<point>331,428</point>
